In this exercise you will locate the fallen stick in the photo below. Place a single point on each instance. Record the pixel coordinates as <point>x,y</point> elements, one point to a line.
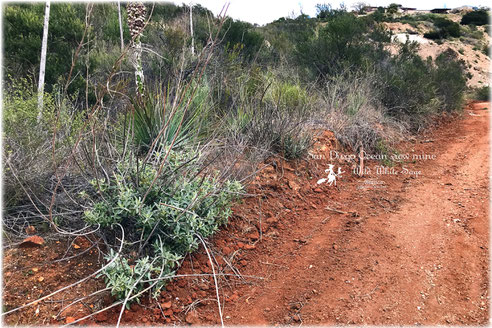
<point>335,210</point>
<point>361,157</point>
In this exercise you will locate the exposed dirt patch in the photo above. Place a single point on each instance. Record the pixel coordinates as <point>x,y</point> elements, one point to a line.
<point>32,271</point>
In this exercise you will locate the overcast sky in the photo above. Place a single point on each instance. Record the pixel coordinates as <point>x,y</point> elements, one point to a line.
<point>265,11</point>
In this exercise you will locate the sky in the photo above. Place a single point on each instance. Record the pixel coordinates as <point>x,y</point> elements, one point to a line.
<point>266,11</point>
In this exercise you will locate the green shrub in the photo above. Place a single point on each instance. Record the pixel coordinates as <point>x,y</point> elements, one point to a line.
<point>450,80</point>
<point>285,33</point>
<point>433,35</point>
<point>412,88</point>
<point>104,21</point>
<point>392,9</point>
<point>476,17</point>
<point>486,49</point>
<point>169,213</point>
<point>345,42</point>
<point>408,91</point>
<point>482,93</point>
<point>340,42</point>
<point>445,28</point>
<point>241,33</point>
<point>379,14</point>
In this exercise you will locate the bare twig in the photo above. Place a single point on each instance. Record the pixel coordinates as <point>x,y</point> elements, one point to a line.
<point>215,279</point>
<point>335,210</point>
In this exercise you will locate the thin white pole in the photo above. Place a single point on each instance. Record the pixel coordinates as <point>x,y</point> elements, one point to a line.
<point>42,64</point>
<point>121,27</point>
<point>191,31</point>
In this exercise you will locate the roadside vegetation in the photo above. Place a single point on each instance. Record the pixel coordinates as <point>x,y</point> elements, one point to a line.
<point>149,168</point>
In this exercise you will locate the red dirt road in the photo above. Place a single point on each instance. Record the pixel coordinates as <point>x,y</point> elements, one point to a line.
<point>412,252</point>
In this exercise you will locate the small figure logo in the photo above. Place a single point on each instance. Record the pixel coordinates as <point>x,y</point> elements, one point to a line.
<point>332,176</point>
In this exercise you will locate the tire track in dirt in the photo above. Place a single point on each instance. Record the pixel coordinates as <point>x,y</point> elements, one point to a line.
<point>416,253</point>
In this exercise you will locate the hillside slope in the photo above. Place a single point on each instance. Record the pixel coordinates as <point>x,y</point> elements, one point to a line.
<point>477,63</point>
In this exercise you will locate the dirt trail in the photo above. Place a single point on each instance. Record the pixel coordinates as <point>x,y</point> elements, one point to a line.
<point>412,252</point>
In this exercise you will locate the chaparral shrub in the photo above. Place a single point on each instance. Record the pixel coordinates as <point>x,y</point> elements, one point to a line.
<point>164,213</point>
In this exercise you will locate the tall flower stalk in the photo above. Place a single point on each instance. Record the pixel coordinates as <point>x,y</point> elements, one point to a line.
<point>136,22</point>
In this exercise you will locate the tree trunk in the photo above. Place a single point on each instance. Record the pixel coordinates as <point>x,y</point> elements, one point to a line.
<point>121,27</point>
<point>42,64</point>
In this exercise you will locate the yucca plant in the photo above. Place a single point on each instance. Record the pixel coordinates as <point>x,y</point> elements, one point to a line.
<point>159,118</point>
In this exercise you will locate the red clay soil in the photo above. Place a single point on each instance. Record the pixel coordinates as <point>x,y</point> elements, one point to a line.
<point>405,244</point>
